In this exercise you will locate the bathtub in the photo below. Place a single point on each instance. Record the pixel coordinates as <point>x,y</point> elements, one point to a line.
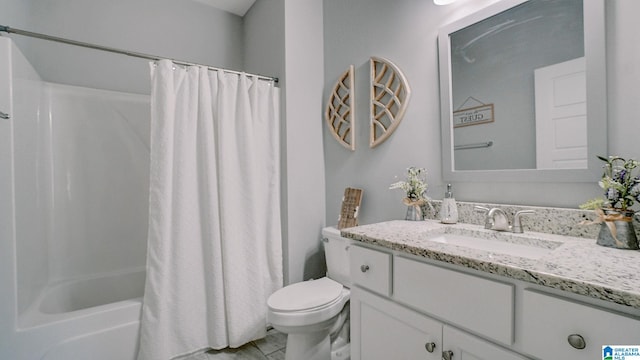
<point>95,318</point>
<point>73,228</point>
<point>81,294</point>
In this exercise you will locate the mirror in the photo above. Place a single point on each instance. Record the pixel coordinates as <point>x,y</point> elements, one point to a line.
<point>523,92</point>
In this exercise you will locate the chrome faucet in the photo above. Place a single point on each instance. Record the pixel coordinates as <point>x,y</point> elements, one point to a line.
<point>497,219</point>
<point>517,224</point>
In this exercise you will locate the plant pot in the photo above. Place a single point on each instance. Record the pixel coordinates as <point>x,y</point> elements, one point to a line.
<point>616,230</point>
<point>414,213</point>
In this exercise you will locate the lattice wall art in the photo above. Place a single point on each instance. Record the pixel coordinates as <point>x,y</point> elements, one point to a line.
<point>390,94</point>
<point>339,113</point>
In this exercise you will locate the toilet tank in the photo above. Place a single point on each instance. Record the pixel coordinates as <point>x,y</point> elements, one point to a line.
<point>336,252</point>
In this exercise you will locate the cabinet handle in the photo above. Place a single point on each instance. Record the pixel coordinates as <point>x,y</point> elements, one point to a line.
<point>447,355</point>
<point>577,341</point>
<point>431,346</point>
<point>364,268</point>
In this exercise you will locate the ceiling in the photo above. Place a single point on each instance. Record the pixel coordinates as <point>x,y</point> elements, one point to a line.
<point>238,7</point>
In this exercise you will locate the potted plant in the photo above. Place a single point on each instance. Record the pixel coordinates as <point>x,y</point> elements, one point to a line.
<point>621,184</point>
<point>415,188</point>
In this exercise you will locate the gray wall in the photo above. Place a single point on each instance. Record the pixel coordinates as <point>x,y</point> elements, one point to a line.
<point>285,38</point>
<point>405,31</point>
<point>184,30</point>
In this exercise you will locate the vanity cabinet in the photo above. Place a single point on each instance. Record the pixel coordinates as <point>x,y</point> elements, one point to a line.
<point>384,327</point>
<point>555,328</point>
<point>459,345</point>
<point>480,305</point>
<point>406,308</point>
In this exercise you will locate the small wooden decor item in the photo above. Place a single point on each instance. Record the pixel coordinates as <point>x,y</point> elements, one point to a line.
<point>350,208</point>
<point>390,94</point>
<point>339,114</point>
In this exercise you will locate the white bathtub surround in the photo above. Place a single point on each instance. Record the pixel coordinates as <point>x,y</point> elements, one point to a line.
<point>214,247</point>
<point>75,179</point>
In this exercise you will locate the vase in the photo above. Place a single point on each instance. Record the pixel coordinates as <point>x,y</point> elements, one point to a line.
<point>414,213</point>
<point>616,230</point>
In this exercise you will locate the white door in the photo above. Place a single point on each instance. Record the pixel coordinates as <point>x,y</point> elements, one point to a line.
<point>561,115</point>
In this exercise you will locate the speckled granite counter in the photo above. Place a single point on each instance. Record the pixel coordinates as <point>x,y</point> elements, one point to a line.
<point>577,265</point>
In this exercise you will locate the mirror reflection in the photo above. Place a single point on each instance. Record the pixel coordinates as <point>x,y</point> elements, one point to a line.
<point>518,89</point>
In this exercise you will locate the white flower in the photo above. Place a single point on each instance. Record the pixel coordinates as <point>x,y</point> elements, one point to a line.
<point>415,186</point>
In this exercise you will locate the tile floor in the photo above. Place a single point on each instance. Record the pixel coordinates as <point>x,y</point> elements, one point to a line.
<point>270,348</point>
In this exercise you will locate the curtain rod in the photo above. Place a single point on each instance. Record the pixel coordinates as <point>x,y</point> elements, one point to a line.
<point>11,30</point>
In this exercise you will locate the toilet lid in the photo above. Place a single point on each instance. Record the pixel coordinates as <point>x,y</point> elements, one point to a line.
<point>305,295</point>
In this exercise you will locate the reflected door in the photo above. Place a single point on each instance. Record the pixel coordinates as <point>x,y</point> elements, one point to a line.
<point>561,115</point>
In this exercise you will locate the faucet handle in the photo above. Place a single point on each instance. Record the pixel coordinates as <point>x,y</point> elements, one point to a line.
<point>485,211</point>
<point>481,209</point>
<point>517,223</point>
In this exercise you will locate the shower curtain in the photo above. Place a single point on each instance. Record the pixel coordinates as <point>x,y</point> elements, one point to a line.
<point>214,245</point>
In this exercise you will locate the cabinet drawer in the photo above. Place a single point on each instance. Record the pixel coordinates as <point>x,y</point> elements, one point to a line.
<point>370,269</point>
<point>548,321</point>
<point>477,304</point>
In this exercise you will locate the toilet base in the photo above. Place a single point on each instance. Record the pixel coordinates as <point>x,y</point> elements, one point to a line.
<point>341,353</point>
<point>308,346</point>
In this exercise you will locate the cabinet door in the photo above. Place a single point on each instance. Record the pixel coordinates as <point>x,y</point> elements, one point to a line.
<point>383,330</point>
<point>563,329</point>
<point>464,346</point>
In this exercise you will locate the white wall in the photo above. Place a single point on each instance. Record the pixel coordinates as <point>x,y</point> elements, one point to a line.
<point>305,159</point>
<point>14,13</point>
<point>8,315</point>
<point>623,74</point>
<point>31,149</point>
<point>405,31</point>
<point>284,38</point>
<point>184,30</point>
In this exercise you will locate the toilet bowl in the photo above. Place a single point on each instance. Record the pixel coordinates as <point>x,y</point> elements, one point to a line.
<point>315,314</point>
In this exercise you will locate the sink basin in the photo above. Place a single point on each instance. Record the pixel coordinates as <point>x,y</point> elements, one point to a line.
<point>503,243</point>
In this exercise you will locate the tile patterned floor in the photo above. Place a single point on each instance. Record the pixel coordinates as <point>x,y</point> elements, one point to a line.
<point>270,348</point>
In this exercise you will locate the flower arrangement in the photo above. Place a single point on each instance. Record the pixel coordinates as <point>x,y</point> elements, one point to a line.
<point>620,182</point>
<point>415,187</point>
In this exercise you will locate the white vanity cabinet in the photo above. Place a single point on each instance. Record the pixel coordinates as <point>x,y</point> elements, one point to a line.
<point>385,330</point>
<point>459,345</point>
<point>403,308</point>
<point>382,329</point>
<point>389,327</point>
<point>556,328</point>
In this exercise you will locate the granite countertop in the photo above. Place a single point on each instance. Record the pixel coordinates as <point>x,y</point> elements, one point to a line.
<point>577,265</point>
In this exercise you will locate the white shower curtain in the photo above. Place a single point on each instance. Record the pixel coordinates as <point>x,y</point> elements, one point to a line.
<point>214,245</point>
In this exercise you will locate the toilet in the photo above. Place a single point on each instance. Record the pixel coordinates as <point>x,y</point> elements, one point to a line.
<point>315,314</point>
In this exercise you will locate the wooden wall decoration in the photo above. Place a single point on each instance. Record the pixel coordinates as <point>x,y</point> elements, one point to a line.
<point>339,113</point>
<point>350,208</point>
<point>390,94</point>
